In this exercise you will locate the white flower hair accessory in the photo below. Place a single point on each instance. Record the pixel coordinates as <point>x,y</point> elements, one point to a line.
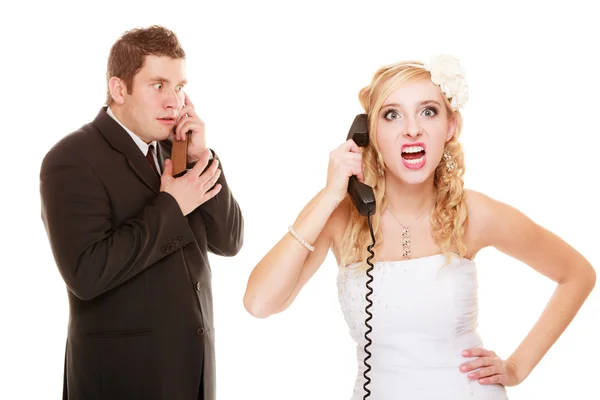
<point>449,75</point>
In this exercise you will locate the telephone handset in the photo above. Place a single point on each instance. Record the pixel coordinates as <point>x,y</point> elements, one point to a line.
<point>179,156</point>
<point>363,199</point>
<point>362,195</point>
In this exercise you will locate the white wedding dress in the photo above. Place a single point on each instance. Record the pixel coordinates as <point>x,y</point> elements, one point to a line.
<point>424,316</point>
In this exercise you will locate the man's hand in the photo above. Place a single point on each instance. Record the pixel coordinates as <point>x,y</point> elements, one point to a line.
<point>194,188</point>
<point>189,123</point>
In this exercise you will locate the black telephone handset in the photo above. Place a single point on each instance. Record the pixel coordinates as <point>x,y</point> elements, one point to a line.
<point>362,195</point>
<point>363,199</point>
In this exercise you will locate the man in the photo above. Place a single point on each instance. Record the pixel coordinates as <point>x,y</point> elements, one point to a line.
<point>130,244</point>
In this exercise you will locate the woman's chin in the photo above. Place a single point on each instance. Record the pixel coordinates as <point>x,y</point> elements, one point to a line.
<point>412,176</point>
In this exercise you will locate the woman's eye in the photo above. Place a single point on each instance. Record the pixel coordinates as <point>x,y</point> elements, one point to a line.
<point>430,112</point>
<point>391,115</point>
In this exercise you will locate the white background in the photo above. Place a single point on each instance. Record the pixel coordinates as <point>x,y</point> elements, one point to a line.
<point>277,86</point>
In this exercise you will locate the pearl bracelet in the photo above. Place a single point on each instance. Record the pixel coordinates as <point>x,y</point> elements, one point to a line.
<point>298,238</point>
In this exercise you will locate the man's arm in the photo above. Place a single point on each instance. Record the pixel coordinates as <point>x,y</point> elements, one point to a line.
<point>92,257</point>
<point>223,219</point>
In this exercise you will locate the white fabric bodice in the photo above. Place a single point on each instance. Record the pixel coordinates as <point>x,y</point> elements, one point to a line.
<point>424,315</point>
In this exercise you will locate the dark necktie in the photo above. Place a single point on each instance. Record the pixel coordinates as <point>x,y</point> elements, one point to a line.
<point>150,158</point>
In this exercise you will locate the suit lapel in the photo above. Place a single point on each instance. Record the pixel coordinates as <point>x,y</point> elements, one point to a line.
<point>122,142</point>
<point>163,152</point>
<point>165,147</point>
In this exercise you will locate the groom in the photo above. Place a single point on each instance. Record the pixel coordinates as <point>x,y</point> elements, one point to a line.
<point>131,241</point>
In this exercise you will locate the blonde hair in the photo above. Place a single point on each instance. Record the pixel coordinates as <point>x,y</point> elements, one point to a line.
<point>448,215</point>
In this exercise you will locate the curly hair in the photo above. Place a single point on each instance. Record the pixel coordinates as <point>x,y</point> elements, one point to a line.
<point>448,215</point>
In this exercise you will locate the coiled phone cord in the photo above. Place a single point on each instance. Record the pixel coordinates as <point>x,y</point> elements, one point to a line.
<point>369,305</point>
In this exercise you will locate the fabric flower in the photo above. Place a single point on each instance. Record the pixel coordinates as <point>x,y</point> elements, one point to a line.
<point>449,75</point>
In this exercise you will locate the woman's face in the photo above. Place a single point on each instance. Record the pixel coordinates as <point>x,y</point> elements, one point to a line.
<point>412,129</point>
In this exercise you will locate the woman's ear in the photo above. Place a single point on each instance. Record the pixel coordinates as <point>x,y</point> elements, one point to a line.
<point>451,128</point>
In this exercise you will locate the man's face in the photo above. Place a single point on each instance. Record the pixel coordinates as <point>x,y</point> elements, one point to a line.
<point>150,109</point>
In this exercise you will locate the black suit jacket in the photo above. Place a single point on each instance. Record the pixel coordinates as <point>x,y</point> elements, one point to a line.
<point>136,269</point>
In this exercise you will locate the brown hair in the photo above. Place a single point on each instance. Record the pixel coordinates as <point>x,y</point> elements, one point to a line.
<point>128,53</point>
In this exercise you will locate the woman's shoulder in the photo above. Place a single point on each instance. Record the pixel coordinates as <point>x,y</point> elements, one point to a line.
<point>481,207</point>
<point>475,200</point>
<point>484,212</point>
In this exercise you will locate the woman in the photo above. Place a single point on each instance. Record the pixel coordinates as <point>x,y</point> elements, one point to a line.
<point>425,343</point>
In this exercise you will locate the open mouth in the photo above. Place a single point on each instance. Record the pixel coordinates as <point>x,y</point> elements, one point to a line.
<point>413,154</point>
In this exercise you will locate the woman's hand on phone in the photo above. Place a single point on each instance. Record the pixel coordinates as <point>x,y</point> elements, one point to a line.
<point>344,162</point>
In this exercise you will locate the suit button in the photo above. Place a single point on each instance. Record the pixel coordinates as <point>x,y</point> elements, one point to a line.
<point>198,285</point>
<point>200,331</point>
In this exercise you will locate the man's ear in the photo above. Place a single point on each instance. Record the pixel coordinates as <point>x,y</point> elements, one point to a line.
<point>117,90</point>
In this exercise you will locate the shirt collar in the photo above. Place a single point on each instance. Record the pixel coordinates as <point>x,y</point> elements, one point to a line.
<point>143,146</point>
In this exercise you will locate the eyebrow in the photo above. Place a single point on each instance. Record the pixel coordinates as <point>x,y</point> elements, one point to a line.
<point>161,79</point>
<point>420,104</point>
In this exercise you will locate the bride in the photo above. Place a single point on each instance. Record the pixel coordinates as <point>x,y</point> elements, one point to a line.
<point>423,341</point>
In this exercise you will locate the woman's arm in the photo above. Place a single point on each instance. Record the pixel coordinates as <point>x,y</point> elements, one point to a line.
<point>278,278</point>
<point>514,234</point>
